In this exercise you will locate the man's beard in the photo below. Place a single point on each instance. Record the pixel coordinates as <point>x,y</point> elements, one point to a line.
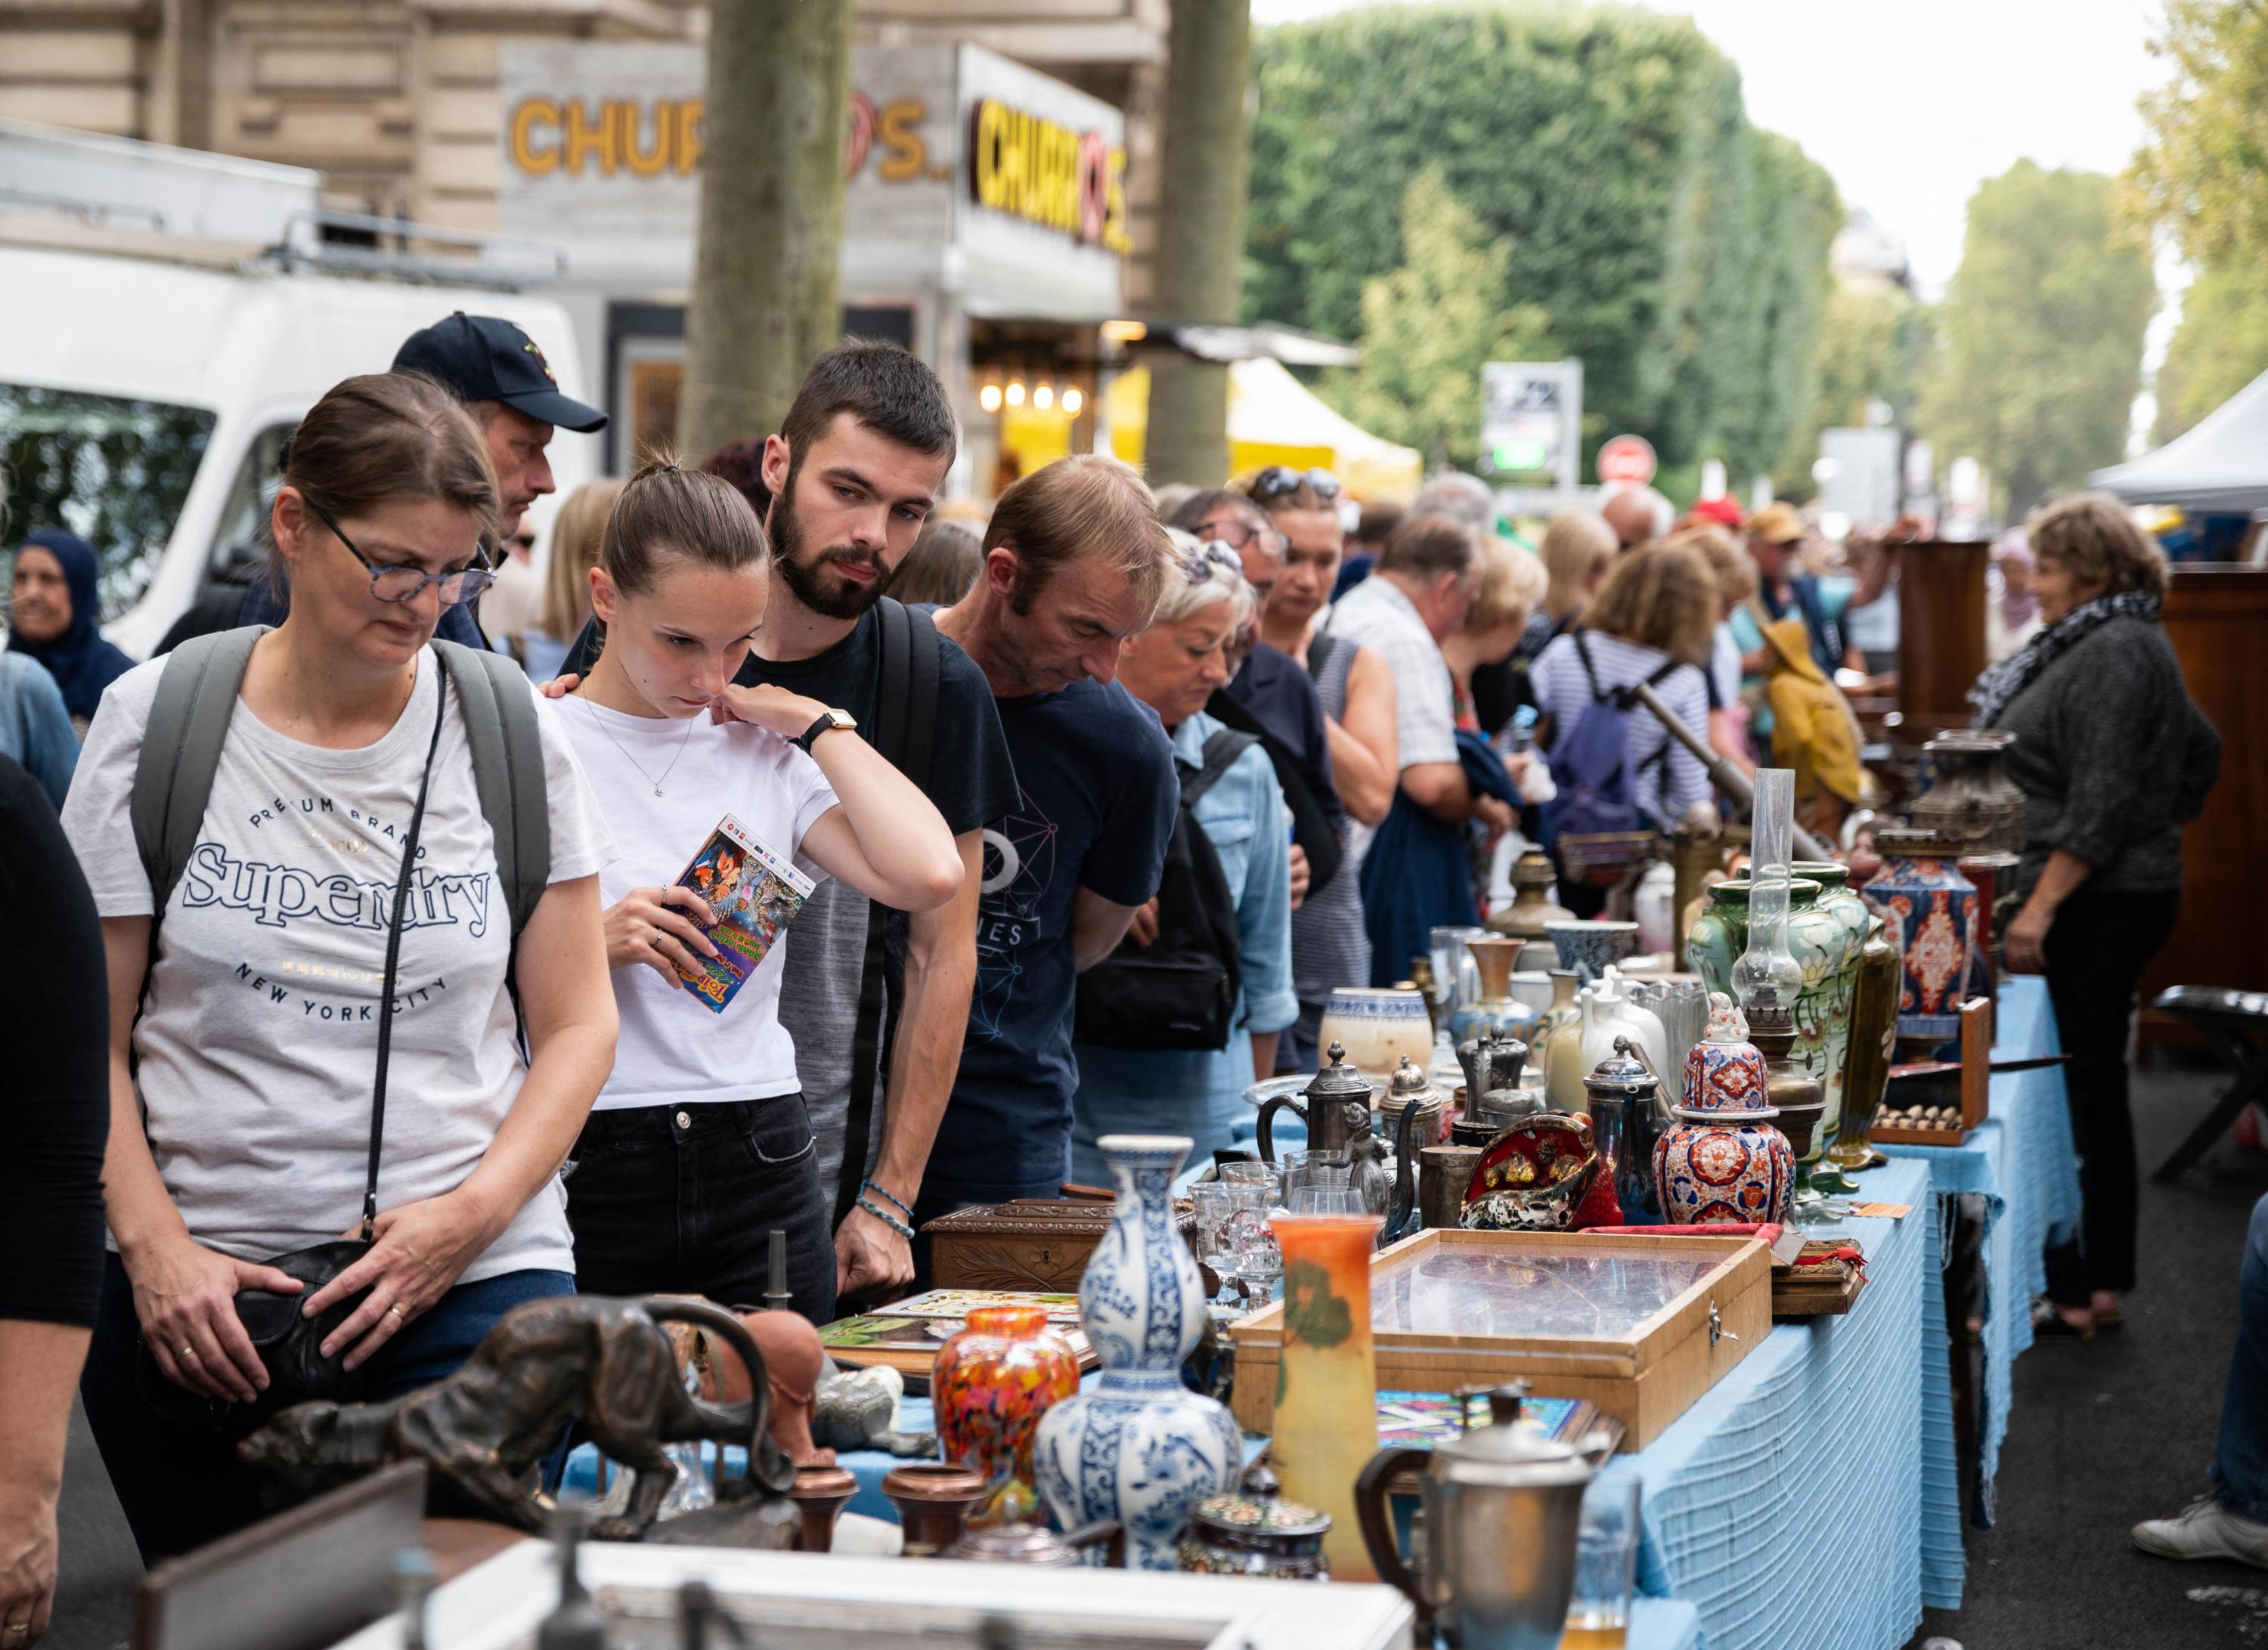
<point>832,597</point>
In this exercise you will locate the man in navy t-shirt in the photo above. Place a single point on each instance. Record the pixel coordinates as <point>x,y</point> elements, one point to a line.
<point>1074,560</point>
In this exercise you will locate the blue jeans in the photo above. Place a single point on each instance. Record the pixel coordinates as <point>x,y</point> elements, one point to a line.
<point>180,1488</point>
<point>2239,1467</point>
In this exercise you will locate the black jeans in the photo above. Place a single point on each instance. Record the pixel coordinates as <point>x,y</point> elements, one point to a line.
<point>180,1488</point>
<point>683,1200</point>
<point>2096,952</point>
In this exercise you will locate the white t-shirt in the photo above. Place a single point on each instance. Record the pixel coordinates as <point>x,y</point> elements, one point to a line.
<point>259,1041</point>
<point>1376,615</point>
<point>674,1050</point>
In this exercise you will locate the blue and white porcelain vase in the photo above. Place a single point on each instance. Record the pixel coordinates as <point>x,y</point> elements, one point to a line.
<point>1138,1446</point>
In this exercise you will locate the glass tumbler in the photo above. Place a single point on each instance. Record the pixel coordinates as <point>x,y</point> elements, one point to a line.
<point>1605,1562</point>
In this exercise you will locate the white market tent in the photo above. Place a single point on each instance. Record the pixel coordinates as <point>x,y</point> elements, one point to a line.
<point>1275,419</point>
<point>2219,467</point>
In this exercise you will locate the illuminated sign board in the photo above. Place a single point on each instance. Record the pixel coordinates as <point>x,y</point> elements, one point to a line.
<point>1044,173</point>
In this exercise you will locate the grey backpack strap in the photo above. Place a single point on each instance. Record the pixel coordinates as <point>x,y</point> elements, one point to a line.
<point>507,748</point>
<point>181,752</point>
<point>1220,754</point>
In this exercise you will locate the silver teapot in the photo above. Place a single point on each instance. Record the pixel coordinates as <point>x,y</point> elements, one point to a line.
<point>1503,1508</point>
<point>1337,1111</point>
<point>1629,1113</point>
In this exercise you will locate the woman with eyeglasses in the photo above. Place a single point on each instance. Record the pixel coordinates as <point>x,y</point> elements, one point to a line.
<point>243,1088</point>
<point>1153,1082</point>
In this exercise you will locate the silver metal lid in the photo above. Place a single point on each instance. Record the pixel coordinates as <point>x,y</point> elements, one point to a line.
<point>1338,1080</point>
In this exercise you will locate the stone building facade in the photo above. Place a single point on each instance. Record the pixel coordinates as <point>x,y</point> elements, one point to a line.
<point>396,100</point>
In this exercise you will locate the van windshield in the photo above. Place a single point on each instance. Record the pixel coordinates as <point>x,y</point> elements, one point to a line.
<point>112,470</point>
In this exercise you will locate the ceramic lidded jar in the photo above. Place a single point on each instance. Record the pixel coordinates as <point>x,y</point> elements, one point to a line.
<point>990,1384</point>
<point>1722,1163</point>
<point>1138,1446</point>
<point>1930,909</point>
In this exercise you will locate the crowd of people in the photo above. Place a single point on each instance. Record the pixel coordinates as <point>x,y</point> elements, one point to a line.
<point>1098,796</point>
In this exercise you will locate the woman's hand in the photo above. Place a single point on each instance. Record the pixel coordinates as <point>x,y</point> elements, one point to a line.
<point>2025,944</point>
<point>768,706</point>
<point>1302,876</point>
<point>27,1563</point>
<point>185,1298</point>
<point>642,929</point>
<point>420,1250</point>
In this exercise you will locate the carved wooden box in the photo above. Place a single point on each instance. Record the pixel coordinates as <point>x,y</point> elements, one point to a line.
<point>1036,1243</point>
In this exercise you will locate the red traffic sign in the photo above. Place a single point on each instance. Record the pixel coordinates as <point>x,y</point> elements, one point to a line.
<point>1626,460</point>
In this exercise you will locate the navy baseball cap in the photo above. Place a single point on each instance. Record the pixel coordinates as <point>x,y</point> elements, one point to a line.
<point>484,357</point>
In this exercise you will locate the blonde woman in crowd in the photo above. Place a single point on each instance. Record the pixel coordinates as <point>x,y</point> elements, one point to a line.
<point>576,532</point>
<point>1513,582</point>
<point>1736,575</point>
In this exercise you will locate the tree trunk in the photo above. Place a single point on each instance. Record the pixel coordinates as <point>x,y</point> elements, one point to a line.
<point>769,248</point>
<point>1204,163</point>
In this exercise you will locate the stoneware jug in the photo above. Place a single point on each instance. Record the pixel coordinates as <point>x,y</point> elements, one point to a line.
<point>1608,1014</point>
<point>1138,1446</point>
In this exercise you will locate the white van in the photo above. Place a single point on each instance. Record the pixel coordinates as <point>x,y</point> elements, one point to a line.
<point>149,375</point>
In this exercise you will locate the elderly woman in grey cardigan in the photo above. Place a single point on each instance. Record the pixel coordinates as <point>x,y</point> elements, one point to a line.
<point>2112,757</point>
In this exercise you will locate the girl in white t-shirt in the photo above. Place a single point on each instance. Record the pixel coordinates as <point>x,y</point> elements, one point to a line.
<point>241,1086</point>
<point>699,1147</point>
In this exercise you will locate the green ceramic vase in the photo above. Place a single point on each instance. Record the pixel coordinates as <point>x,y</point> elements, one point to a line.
<point>1826,930</point>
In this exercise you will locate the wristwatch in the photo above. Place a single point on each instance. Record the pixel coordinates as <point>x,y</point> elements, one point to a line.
<point>809,737</point>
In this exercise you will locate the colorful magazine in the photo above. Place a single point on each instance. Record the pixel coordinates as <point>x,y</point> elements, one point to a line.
<point>959,1303</point>
<point>754,891</point>
<point>1427,1418</point>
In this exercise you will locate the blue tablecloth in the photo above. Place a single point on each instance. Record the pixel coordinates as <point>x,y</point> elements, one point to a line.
<point>1790,1505</point>
<point>2022,1161</point>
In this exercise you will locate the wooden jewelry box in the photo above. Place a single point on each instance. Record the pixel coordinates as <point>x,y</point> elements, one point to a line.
<point>1033,1243</point>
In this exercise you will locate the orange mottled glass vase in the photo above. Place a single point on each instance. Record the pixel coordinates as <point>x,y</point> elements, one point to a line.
<point>990,1385</point>
<point>1326,1427</point>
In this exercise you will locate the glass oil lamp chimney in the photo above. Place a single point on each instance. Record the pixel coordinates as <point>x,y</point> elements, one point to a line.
<point>1767,979</point>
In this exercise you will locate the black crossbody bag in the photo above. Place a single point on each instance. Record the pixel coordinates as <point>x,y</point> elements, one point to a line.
<point>289,1343</point>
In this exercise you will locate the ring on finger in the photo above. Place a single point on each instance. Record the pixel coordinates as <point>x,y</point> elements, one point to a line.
<point>397,1314</point>
<point>188,1354</point>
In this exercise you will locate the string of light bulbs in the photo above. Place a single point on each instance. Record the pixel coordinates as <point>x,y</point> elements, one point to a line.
<point>1041,396</point>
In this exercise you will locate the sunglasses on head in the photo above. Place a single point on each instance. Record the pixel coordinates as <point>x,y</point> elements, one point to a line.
<point>1279,479</point>
<point>1199,563</point>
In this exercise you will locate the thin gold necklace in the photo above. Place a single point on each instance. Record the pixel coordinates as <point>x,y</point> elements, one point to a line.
<point>690,723</point>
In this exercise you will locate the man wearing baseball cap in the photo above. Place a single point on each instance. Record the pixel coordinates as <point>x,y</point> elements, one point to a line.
<point>1775,544</point>
<point>498,372</point>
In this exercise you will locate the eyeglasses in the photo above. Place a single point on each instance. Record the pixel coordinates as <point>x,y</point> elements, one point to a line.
<point>1278,479</point>
<point>1199,564</point>
<point>406,584</point>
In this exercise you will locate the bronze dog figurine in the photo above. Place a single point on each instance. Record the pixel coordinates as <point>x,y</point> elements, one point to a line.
<point>483,1432</point>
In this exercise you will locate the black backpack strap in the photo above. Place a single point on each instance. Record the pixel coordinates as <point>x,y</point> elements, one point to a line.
<point>1220,754</point>
<point>1590,675</point>
<point>897,708</point>
<point>507,751</point>
<point>181,753</point>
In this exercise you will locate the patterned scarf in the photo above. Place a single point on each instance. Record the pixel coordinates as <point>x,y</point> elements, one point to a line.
<point>1999,686</point>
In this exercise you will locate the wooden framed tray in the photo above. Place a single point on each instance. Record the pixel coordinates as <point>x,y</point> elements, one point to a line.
<point>1033,1243</point>
<point>1639,1326</point>
<point>1973,1083</point>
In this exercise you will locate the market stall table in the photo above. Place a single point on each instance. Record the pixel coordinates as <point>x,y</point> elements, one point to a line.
<point>2021,1161</point>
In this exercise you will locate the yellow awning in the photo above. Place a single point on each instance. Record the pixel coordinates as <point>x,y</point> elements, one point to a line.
<point>1275,419</point>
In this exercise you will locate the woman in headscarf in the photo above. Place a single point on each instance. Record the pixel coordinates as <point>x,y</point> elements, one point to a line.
<point>53,614</point>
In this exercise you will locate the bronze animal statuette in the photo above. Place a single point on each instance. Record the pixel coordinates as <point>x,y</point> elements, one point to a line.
<point>484,1431</point>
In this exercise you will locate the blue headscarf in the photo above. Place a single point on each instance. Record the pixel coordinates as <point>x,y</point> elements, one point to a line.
<point>82,663</point>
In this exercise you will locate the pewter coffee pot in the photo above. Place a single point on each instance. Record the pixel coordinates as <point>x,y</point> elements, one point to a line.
<point>1629,1113</point>
<point>1503,1508</point>
<point>1337,1112</point>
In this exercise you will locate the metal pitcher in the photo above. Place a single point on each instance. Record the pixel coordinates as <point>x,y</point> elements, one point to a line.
<point>1628,1115</point>
<point>1337,1112</point>
<point>1503,1508</point>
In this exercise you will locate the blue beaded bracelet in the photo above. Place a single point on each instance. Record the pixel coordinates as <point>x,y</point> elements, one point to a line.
<point>887,1218</point>
<point>902,1207</point>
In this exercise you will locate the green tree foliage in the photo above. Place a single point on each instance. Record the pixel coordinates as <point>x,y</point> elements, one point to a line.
<point>1870,350</point>
<point>1430,325</point>
<point>1681,253</point>
<point>2204,169</point>
<point>2042,347</point>
<point>2220,345</point>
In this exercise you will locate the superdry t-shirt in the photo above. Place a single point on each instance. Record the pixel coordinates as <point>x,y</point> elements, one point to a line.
<point>259,1041</point>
